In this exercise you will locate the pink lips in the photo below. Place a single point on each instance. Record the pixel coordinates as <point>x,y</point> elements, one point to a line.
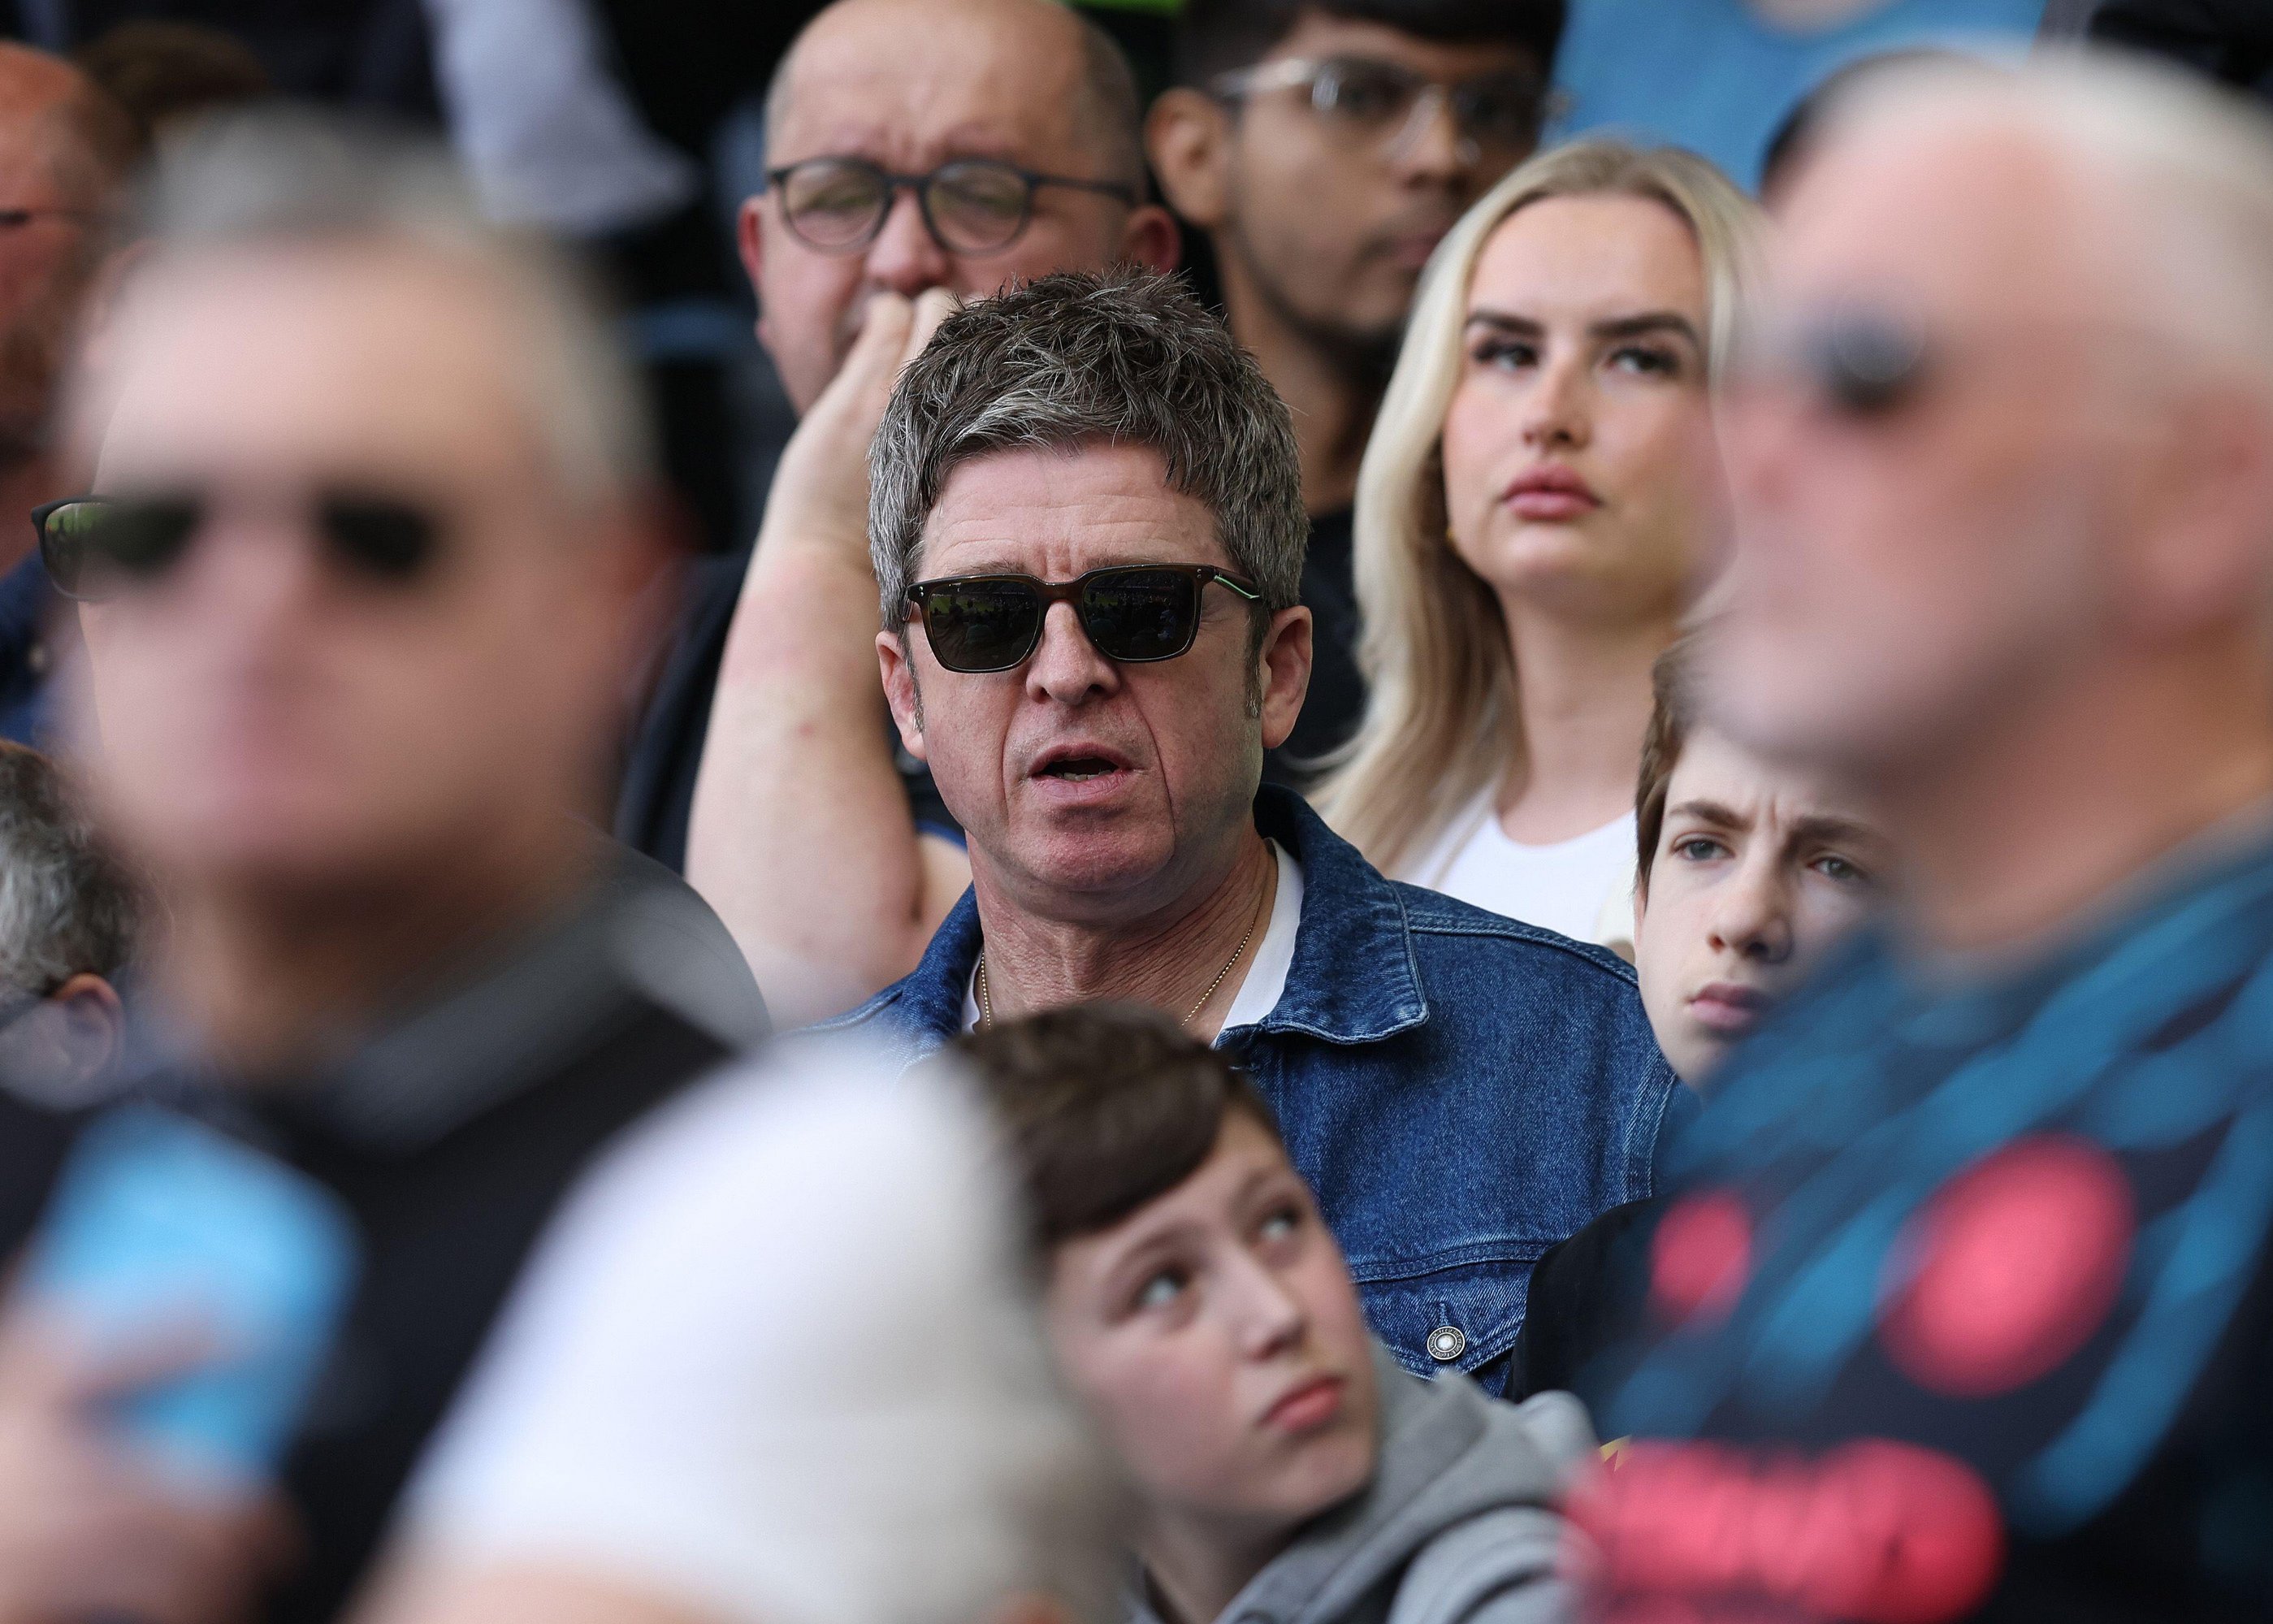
<point>1550,494</point>
<point>1727,1007</point>
<point>1308,1407</point>
<point>1078,773</point>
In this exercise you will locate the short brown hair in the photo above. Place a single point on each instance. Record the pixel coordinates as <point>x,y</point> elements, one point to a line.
<point>1105,1108</point>
<point>1671,720</point>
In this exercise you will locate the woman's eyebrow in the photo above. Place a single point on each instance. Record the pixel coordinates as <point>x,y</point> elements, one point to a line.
<point>1639,325</point>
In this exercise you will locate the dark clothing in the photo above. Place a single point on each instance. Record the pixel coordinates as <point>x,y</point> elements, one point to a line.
<point>1461,1090</point>
<point>1969,1272</point>
<point>451,1137</point>
<point>1336,702</point>
<point>658,784</point>
<point>30,615</point>
<point>1582,1302</point>
<point>2230,40</point>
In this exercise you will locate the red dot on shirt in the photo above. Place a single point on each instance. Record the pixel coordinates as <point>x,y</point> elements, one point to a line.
<point>2009,1269</point>
<point>1701,1257</point>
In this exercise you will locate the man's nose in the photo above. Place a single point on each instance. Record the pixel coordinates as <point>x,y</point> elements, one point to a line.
<point>1432,147</point>
<point>1066,666</point>
<point>906,257</point>
<point>1267,1317</point>
<point>1751,913</point>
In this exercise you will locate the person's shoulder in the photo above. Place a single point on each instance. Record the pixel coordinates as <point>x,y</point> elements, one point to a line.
<point>1431,913</point>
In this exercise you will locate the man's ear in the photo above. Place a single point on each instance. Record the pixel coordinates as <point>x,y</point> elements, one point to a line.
<point>87,1025</point>
<point>2200,513</point>
<point>1284,669</point>
<point>1187,136</point>
<point>1151,239</point>
<point>901,691</point>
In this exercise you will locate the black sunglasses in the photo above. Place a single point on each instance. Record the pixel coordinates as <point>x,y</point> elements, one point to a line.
<point>1132,613</point>
<point>971,206</point>
<point>95,547</point>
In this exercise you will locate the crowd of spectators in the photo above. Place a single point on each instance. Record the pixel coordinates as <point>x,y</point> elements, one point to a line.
<point>1286,812</point>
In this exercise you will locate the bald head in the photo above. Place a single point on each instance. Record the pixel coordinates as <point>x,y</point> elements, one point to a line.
<point>2022,442</point>
<point>875,46</point>
<point>54,116</point>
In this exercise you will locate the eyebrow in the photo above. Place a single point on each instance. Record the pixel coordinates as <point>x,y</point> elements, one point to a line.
<point>1708,812</point>
<point>1835,831</point>
<point>1642,324</point>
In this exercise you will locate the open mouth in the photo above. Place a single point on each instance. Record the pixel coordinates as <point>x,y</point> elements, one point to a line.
<point>1079,769</point>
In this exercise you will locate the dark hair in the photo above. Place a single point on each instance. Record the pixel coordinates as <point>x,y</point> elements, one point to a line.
<point>1221,36</point>
<point>1105,1108</point>
<point>1671,720</point>
<point>164,73</point>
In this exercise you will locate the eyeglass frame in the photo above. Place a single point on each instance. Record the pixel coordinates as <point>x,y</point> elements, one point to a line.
<point>1055,592</point>
<point>1432,96</point>
<point>15,218</point>
<point>896,182</point>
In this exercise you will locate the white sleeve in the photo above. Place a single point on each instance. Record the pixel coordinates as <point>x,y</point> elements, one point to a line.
<point>773,1361</point>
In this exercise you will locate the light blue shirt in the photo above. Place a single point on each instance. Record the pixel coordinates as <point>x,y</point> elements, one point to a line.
<point>1713,76</point>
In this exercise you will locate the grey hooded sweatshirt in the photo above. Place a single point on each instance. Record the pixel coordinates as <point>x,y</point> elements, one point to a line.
<point>1459,1525</point>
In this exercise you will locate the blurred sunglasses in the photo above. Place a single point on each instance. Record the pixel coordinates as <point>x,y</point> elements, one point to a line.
<point>1857,361</point>
<point>1497,115</point>
<point>970,206</point>
<point>1132,613</point>
<point>96,548</point>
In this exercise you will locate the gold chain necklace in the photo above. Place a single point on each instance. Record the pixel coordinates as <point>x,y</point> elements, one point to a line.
<point>987,1004</point>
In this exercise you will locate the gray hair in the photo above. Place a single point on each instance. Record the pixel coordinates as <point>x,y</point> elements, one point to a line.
<point>270,178</point>
<point>1122,357</point>
<point>68,906</point>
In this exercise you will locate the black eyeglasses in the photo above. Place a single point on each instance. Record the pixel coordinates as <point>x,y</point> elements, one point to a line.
<point>1497,115</point>
<point>96,548</point>
<point>1858,361</point>
<point>1132,613</point>
<point>970,205</point>
<point>15,219</point>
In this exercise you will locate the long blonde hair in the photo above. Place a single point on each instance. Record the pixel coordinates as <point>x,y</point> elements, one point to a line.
<point>1440,723</point>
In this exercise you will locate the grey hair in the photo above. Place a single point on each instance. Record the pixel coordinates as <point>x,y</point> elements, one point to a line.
<point>1120,358</point>
<point>67,904</point>
<point>272,177</point>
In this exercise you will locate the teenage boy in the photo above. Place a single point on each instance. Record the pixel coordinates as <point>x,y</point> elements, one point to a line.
<point>1749,873</point>
<point>1283,1465</point>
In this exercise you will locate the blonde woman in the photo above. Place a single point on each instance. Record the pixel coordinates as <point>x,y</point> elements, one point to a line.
<point>1540,499</point>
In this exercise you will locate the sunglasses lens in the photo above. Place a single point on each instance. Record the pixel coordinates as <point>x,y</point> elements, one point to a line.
<point>94,546</point>
<point>976,626</point>
<point>1141,614</point>
<point>381,538</point>
<point>1868,365</point>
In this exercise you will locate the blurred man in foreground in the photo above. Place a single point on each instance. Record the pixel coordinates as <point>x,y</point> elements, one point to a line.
<point>831,863</point>
<point>360,588</point>
<point>1968,1267</point>
<point>1325,150</point>
<point>65,150</point>
<point>1089,531</point>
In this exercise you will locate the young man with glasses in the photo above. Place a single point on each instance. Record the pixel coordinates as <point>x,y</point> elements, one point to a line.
<point>1088,535</point>
<point>1324,149</point>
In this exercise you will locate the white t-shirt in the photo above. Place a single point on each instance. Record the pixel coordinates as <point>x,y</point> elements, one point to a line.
<point>1266,971</point>
<point>1582,887</point>
<point>773,1361</point>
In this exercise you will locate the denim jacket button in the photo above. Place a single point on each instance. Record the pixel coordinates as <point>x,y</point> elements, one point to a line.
<point>1446,1343</point>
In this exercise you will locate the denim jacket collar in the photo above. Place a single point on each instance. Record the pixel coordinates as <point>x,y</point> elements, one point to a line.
<point>1353,979</point>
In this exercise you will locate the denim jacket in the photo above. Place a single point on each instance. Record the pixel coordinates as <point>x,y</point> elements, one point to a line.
<point>1461,1090</point>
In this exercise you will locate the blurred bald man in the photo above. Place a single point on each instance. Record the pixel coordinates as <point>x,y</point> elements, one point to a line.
<point>831,860</point>
<point>1966,1279</point>
<point>64,148</point>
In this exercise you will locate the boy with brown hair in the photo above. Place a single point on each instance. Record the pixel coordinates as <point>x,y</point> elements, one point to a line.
<point>1286,1469</point>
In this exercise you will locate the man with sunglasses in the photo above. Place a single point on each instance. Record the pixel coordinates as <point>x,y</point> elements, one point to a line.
<point>1324,149</point>
<point>65,150</point>
<point>367,558</point>
<point>1088,533</point>
<point>914,147</point>
<point>1962,1295</point>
